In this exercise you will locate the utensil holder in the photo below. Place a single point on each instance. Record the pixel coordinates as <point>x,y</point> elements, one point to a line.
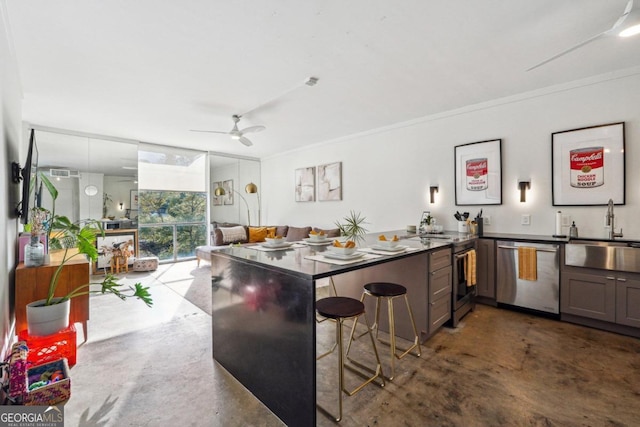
<point>463,227</point>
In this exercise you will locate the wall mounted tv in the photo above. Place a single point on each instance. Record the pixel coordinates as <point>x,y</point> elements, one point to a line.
<point>28,176</point>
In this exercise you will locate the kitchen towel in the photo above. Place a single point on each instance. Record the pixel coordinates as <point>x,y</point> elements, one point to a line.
<point>470,267</point>
<point>527,263</point>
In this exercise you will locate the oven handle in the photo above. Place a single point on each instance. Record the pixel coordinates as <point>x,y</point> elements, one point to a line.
<point>537,249</point>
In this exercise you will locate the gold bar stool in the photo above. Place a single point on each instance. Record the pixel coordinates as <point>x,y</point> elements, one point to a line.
<point>340,309</point>
<point>388,291</point>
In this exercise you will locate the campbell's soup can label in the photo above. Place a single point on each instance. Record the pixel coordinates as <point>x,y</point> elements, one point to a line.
<point>477,173</point>
<point>587,167</point>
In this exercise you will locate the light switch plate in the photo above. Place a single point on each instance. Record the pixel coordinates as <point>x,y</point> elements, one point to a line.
<point>525,219</point>
<point>566,220</point>
<point>486,220</point>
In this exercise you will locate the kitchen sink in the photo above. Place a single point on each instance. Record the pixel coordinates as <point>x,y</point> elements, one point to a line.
<point>604,254</point>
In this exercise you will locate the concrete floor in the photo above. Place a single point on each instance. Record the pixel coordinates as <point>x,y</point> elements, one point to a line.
<point>153,367</point>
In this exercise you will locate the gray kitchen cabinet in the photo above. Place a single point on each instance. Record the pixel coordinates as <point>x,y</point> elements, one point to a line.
<point>588,293</point>
<point>486,269</point>
<point>628,299</point>
<point>440,288</point>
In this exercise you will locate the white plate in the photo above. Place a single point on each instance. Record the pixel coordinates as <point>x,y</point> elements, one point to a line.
<point>343,257</point>
<point>277,245</point>
<point>393,249</point>
<point>317,242</point>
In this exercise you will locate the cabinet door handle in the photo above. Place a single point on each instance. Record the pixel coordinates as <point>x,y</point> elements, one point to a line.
<point>611,278</point>
<point>621,279</point>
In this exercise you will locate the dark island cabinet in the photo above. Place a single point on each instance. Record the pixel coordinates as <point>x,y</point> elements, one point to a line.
<point>440,289</point>
<point>628,299</point>
<point>486,269</point>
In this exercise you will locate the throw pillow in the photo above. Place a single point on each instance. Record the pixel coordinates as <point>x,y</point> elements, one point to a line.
<point>257,234</point>
<point>332,232</point>
<point>271,232</point>
<point>295,234</point>
<point>233,234</point>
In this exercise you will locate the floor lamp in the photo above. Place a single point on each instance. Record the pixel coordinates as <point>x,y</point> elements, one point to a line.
<point>221,192</point>
<point>251,188</point>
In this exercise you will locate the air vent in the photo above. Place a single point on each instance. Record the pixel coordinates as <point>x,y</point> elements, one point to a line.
<point>64,173</point>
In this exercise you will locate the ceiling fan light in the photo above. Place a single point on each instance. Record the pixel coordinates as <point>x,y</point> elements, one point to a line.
<point>631,31</point>
<point>235,136</point>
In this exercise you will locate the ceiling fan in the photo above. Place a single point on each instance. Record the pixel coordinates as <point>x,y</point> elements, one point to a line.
<point>235,133</point>
<point>619,21</point>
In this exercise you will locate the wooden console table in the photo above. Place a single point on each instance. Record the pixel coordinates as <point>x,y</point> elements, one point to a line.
<point>32,284</point>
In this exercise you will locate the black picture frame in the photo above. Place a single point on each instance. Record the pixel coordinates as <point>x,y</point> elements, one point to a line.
<point>478,173</point>
<point>588,166</point>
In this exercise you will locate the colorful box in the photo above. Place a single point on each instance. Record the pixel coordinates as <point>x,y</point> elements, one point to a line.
<point>41,385</point>
<point>48,384</point>
<point>51,347</point>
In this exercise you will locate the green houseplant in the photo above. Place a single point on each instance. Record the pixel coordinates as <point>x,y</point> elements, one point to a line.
<point>352,227</point>
<point>74,240</point>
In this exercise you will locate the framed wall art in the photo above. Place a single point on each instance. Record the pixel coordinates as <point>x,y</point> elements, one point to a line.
<point>217,200</point>
<point>588,166</point>
<point>305,179</point>
<point>133,200</point>
<point>122,243</point>
<point>478,173</point>
<point>330,181</point>
<point>228,189</point>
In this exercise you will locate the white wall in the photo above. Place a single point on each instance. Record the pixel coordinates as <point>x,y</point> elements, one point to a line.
<point>13,150</point>
<point>387,172</point>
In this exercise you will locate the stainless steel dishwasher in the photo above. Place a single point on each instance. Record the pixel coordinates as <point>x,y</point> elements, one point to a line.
<point>542,294</point>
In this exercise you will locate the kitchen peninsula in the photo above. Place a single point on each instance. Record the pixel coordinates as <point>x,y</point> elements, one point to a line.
<point>263,312</point>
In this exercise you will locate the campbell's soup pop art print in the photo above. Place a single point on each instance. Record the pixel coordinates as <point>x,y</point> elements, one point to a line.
<point>477,173</point>
<point>587,167</point>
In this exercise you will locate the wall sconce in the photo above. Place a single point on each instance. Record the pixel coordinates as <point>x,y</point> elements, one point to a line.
<point>251,188</point>
<point>121,205</point>
<point>523,186</point>
<point>432,191</point>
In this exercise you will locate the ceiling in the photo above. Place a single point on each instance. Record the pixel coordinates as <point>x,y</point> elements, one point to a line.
<point>151,71</point>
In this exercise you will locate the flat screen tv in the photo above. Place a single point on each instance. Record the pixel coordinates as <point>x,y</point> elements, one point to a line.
<point>29,180</point>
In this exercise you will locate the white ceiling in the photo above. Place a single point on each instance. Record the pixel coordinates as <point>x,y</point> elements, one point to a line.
<point>151,70</point>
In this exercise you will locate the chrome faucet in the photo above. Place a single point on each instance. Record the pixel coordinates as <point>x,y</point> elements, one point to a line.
<point>611,222</point>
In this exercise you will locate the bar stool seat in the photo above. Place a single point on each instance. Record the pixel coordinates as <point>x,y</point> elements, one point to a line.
<point>340,309</point>
<point>388,291</point>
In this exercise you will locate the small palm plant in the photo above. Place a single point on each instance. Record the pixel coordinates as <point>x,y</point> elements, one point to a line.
<point>352,228</point>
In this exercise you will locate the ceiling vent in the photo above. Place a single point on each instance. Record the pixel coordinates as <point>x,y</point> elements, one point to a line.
<point>64,173</point>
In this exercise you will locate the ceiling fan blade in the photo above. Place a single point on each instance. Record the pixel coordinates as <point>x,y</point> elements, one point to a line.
<point>564,52</point>
<point>253,129</point>
<point>245,141</point>
<point>208,131</point>
<point>619,21</point>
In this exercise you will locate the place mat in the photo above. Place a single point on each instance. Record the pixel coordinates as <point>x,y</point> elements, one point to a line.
<point>383,252</point>
<point>310,243</point>
<point>283,248</point>
<point>341,261</point>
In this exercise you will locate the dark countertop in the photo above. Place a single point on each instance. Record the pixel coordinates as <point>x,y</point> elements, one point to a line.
<point>525,237</point>
<point>293,261</point>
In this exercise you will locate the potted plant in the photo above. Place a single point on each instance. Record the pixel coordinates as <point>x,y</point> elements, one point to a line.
<point>73,240</point>
<point>352,228</point>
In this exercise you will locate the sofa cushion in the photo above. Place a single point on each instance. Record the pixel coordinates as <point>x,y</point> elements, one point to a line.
<point>332,232</point>
<point>258,234</point>
<point>216,224</point>
<point>227,235</point>
<point>297,233</point>
<point>282,230</point>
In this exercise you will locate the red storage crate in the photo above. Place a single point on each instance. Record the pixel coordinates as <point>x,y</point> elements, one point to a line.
<point>47,348</point>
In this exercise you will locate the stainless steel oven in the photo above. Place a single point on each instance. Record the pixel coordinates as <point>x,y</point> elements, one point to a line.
<point>463,298</point>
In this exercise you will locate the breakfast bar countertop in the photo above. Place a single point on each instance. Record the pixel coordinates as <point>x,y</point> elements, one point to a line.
<point>293,260</point>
